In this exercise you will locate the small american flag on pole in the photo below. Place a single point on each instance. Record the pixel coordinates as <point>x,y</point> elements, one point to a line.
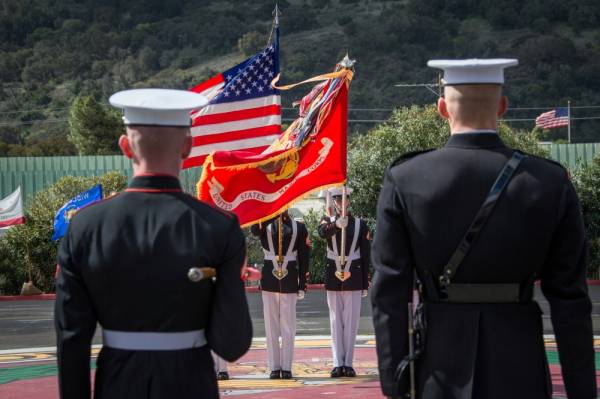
<point>244,111</point>
<point>558,117</point>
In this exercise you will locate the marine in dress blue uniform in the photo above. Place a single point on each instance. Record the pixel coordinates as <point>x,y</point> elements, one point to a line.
<point>137,264</point>
<point>484,336</point>
<point>283,282</point>
<point>346,282</point>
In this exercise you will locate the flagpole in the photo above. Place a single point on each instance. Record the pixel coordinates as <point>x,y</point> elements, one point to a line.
<point>345,63</point>
<point>276,14</point>
<point>29,287</point>
<point>280,239</point>
<point>569,125</point>
<point>28,260</point>
<point>344,227</point>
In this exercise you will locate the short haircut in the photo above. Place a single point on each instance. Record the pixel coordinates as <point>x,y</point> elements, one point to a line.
<point>156,142</point>
<point>473,101</point>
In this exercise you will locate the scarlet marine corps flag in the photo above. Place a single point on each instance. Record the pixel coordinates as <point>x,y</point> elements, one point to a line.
<point>309,155</point>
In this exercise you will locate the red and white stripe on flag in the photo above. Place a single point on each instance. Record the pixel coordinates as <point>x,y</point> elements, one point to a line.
<point>558,117</point>
<point>11,209</point>
<point>243,112</point>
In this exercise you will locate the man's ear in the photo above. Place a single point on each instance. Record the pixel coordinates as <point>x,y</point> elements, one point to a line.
<point>502,105</point>
<point>442,108</point>
<point>186,148</point>
<point>125,147</point>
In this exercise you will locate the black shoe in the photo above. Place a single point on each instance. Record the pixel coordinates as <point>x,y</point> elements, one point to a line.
<point>222,375</point>
<point>275,375</point>
<point>337,372</point>
<point>349,372</point>
<point>286,375</point>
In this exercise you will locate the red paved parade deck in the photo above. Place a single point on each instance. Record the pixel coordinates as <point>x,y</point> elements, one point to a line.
<point>32,374</point>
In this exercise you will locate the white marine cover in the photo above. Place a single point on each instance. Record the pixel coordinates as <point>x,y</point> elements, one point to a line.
<point>157,107</point>
<point>474,70</point>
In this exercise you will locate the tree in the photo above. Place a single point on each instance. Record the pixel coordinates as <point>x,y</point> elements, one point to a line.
<point>318,250</point>
<point>254,251</point>
<point>587,184</point>
<point>148,59</point>
<point>408,129</point>
<point>93,128</point>
<point>251,42</point>
<point>29,246</point>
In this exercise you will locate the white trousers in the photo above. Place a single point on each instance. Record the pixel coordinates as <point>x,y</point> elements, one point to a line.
<point>344,315</point>
<point>280,321</point>
<point>220,363</point>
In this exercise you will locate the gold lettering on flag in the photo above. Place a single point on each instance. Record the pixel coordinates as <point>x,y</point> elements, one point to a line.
<point>217,188</point>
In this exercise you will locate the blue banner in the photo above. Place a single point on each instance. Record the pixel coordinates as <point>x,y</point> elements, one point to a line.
<point>64,214</point>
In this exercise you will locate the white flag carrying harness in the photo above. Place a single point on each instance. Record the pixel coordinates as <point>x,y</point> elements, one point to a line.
<point>280,270</point>
<point>354,253</point>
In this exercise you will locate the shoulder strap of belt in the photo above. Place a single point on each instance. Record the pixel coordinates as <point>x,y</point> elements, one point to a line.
<point>270,239</point>
<point>290,250</point>
<point>355,237</point>
<point>481,218</point>
<point>292,240</point>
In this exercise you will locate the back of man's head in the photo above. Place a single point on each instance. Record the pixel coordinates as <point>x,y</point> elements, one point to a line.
<point>156,142</point>
<point>473,92</point>
<point>475,106</point>
<point>158,134</point>
<point>473,101</point>
<point>156,148</point>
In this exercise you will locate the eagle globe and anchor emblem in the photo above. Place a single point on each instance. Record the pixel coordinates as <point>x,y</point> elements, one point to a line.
<point>281,169</point>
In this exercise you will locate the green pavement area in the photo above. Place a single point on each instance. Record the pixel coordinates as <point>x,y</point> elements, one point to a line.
<point>20,373</point>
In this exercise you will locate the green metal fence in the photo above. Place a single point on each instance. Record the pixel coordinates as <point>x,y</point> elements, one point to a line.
<point>36,173</point>
<point>573,155</point>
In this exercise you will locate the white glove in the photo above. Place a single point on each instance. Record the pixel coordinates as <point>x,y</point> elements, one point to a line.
<point>342,222</point>
<point>301,294</point>
<point>365,293</point>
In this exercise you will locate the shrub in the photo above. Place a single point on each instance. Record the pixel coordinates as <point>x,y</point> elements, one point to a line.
<point>254,250</point>
<point>408,129</point>
<point>29,245</point>
<point>318,251</point>
<point>586,180</point>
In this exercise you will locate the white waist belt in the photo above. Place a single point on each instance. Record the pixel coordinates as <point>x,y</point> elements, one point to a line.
<point>153,341</point>
<point>287,258</point>
<point>353,256</point>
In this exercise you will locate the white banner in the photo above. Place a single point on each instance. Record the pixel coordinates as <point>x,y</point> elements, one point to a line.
<point>11,209</point>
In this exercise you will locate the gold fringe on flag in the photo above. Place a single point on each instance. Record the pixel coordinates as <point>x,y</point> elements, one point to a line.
<point>343,73</point>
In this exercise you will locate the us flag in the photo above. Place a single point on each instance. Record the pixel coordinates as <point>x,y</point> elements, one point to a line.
<point>558,117</point>
<point>244,111</point>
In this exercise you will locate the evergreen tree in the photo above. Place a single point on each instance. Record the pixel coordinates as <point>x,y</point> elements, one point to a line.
<point>94,129</point>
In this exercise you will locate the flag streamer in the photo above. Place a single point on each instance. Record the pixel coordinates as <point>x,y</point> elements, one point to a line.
<point>310,155</point>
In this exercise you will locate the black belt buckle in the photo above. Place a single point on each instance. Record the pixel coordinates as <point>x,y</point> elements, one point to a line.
<point>483,293</point>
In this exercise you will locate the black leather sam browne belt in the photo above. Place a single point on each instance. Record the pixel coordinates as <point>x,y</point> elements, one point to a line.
<point>447,291</point>
<point>480,293</point>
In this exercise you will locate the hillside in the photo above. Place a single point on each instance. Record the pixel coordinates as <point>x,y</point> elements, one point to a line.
<point>52,51</point>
